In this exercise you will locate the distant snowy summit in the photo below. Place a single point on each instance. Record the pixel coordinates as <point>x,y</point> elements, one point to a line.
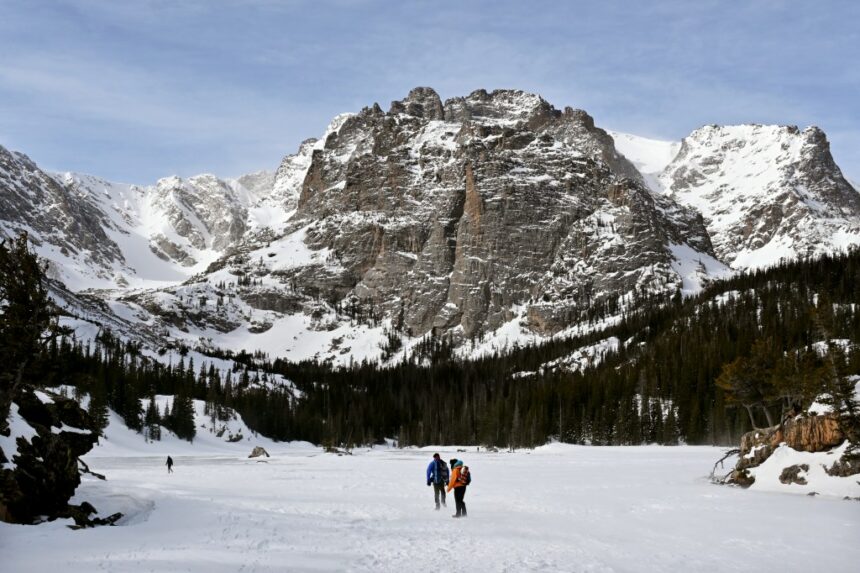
<point>492,219</point>
<point>767,192</point>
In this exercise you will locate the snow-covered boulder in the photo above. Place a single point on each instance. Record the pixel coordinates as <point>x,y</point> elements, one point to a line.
<point>259,451</point>
<point>794,452</point>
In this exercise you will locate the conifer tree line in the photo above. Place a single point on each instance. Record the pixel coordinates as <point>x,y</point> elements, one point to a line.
<point>661,386</point>
<point>700,371</point>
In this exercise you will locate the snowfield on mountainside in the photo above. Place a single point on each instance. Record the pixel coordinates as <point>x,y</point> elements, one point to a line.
<point>556,508</point>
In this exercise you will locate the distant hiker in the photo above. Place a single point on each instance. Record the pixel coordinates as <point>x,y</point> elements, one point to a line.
<point>169,465</point>
<point>437,476</point>
<point>460,478</point>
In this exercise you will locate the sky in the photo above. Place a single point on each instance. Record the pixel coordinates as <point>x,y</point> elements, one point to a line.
<point>136,91</point>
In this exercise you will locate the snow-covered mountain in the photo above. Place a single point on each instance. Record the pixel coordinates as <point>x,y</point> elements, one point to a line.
<point>766,192</point>
<point>101,234</point>
<point>492,219</point>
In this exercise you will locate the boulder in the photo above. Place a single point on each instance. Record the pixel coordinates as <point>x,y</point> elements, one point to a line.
<point>791,474</point>
<point>813,433</point>
<point>757,446</point>
<point>258,451</point>
<point>742,478</point>
<point>847,465</point>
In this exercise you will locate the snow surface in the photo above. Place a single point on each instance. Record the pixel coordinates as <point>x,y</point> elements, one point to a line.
<point>696,269</point>
<point>649,156</point>
<point>557,508</point>
<point>119,441</point>
<point>584,357</point>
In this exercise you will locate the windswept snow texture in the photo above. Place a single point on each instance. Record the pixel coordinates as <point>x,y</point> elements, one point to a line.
<point>587,509</point>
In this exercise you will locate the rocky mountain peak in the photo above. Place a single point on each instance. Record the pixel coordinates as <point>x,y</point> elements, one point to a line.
<point>766,192</point>
<point>259,184</point>
<point>203,209</point>
<point>491,214</point>
<point>421,102</point>
<point>499,107</point>
<point>60,220</point>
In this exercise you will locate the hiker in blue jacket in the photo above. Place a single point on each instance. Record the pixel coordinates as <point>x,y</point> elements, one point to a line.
<point>437,476</point>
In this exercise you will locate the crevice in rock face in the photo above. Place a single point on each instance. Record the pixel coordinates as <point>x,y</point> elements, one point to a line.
<point>444,246</point>
<point>313,182</point>
<point>473,206</point>
<point>470,293</point>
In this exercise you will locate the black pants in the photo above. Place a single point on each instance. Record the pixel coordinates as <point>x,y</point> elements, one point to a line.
<point>459,494</point>
<point>439,491</point>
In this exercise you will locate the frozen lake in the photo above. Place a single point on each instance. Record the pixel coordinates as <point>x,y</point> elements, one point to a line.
<point>558,508</point>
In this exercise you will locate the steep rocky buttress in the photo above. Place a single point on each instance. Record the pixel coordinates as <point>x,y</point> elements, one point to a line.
<point>458,216</point>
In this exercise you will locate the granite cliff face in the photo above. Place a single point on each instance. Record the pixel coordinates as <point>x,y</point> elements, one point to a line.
<point>490,215</point>
<point>460,216</point>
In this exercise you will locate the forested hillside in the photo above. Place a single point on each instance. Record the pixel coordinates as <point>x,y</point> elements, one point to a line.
<point>767,329</point>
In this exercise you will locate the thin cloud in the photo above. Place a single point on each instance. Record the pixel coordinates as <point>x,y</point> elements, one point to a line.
<point>226,86</point>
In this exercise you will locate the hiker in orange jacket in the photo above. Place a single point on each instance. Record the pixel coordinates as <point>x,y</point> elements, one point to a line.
<point>460,478</point>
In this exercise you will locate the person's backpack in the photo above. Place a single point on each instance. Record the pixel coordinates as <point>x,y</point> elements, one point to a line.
<point>466,475</point>
<point>443,472</point>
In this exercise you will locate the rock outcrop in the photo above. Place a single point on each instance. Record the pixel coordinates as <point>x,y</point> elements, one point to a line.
<point>40,476</point>
<point>801,433</point>
<point>457,216</point>
<point>794,474</point>
<point>53,214</point>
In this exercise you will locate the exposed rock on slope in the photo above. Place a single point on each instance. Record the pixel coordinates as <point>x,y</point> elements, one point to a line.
<point>52,213</point>
<point>97,233</point>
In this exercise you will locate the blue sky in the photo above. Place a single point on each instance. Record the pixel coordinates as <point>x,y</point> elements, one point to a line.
<point>134,91</point>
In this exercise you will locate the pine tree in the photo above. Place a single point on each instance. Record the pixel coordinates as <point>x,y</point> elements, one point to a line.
<point>181,420</point>
<point>152,420</point>
<point>98,404</point>
<point>28,321</point>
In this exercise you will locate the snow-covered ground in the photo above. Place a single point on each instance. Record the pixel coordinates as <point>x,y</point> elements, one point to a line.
<point>557,508</point>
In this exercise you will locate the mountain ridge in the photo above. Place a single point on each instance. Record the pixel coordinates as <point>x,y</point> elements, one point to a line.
<point>484,214</point>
